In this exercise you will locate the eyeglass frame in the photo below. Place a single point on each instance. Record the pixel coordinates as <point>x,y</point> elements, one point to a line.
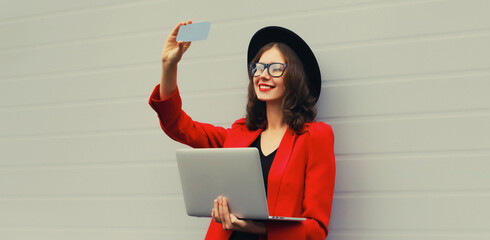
<point>266,66</point>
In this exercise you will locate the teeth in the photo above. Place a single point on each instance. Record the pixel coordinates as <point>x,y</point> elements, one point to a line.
<point>264,87</point>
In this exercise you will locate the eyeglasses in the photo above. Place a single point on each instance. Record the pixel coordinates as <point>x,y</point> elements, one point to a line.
<point>274,69</point>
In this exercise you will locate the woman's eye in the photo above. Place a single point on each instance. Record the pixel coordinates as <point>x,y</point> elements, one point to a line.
<point>276,68</point>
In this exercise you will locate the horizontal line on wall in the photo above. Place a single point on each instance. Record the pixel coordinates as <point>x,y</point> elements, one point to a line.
<point>112,197</point>
<point>406,77</point>
<point>70,104</point>
<point>119,100</point>
<point>454,153</point>
<point>117,68</point>
<point>96,133</point>
<point>433,193</point>
<point>83,72</point>
<point>164,162</point>
<point>407,116</point>
<point>85,229</point>
<point>348,7</point>
<point>332,231</point>
<point>405,39</point>
<point>415,232</point>
<point>89,40</point>
<point>85,134</point>
<point>74,11</point>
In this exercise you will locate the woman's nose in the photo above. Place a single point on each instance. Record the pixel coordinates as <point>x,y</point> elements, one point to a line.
<point>265,73</point>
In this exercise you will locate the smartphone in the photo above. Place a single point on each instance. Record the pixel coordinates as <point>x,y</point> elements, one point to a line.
<point>194,32</point>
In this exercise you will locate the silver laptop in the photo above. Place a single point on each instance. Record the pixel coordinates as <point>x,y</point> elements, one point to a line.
<point>234,173</point>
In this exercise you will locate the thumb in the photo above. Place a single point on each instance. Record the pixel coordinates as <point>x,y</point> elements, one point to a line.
<point>237,222</point>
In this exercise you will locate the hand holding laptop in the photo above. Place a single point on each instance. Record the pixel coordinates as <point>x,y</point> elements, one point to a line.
<point>221,214</point>
<point>203,179</point>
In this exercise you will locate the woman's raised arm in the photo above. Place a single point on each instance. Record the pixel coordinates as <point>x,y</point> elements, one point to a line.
<point>171,54</point>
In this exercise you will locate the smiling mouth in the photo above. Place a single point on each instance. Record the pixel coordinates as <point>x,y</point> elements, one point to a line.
<point>265,87</point>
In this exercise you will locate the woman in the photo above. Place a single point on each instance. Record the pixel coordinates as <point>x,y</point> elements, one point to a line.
<point>296,153</point>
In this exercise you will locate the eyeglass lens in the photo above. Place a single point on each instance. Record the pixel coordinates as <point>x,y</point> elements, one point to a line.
<point>274,69</point>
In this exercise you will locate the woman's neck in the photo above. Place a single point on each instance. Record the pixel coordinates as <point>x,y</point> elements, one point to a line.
<point>275,116</point>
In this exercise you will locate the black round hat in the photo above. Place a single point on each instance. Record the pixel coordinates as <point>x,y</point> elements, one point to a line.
<point>298,45</point>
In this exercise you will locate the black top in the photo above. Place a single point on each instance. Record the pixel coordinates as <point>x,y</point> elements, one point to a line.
<point>266,162</point>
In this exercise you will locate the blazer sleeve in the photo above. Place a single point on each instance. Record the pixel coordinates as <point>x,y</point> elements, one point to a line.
<point>180,127</point>
<point>318,191</point>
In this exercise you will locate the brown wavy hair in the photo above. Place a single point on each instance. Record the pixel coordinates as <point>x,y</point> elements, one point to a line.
<point>298,105</point>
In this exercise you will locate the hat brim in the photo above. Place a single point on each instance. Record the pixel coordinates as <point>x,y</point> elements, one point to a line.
<point>297,44</point>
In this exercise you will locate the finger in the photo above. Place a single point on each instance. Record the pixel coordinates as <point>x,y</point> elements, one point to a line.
<point>220,212</point>
<point>216,212</point>
<point>213,216</point>
<point>176,29</point>
<point>226,224</point>
<point>226,214</point>
<point>187,45</point>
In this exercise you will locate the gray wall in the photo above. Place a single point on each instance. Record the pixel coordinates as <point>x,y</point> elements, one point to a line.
<point>405,87</point>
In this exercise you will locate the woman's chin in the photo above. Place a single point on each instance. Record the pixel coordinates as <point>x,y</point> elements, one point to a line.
<point>269,100</point>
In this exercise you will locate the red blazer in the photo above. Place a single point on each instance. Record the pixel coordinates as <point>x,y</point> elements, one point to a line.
<point>301,178</point>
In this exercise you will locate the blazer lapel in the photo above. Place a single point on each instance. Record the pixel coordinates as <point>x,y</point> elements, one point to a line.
<point>277,169</point>
<point>242,138</point>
